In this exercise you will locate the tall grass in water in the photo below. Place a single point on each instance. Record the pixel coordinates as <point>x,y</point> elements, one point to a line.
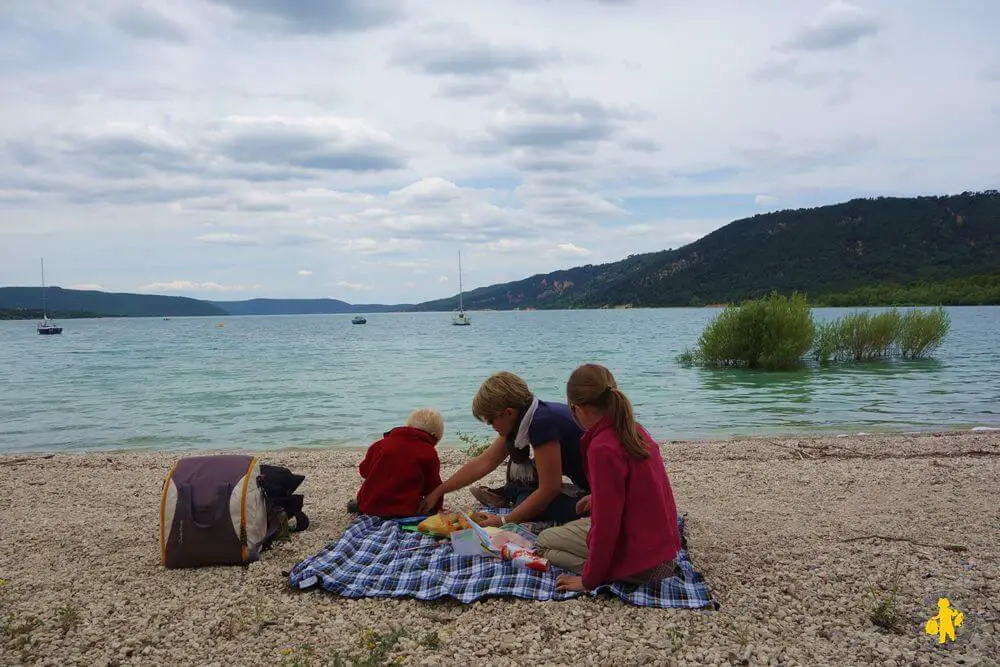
<point>922,332</point>
<point>870,336</point>
<point>770,333</point>
<point>875,336</point>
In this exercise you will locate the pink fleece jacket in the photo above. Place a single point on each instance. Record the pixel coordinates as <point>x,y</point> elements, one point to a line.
<point>633,515</point>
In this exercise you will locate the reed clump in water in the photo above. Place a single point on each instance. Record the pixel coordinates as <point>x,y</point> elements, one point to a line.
<point>776,332</point>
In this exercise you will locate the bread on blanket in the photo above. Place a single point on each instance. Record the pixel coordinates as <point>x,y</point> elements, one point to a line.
<point>445,524</point>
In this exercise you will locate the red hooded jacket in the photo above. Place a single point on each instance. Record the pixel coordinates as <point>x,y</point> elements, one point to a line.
<point>633,516</point>
<point>399,470</point>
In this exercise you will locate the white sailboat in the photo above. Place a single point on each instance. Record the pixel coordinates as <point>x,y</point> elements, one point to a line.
<point>46,327</point>
<point>461,318</point>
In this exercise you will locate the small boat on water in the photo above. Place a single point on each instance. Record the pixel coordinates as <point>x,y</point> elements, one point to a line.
<point>359,319</point>
<point>461,318</point>
<point>46,327</point>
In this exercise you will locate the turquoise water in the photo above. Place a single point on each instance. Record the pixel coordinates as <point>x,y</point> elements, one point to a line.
<point>303,381</point>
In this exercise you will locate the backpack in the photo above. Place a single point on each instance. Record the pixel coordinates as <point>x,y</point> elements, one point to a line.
<point>225,509</point>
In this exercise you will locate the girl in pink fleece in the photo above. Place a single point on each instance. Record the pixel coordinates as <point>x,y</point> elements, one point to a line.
<point>632,532</point>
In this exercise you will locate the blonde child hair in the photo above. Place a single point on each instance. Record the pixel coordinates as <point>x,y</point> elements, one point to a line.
<point>500,391</point>
<point>429,420</point>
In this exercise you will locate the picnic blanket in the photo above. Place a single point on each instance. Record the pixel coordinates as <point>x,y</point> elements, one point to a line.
<point>371,560</point>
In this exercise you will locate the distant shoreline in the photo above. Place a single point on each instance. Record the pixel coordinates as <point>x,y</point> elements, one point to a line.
<point>61,316</point>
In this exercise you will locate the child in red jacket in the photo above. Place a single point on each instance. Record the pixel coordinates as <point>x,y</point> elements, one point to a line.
<point>402,468</point>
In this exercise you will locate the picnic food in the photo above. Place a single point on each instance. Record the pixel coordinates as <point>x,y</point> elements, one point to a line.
<point>523,559</point>
<point>444,524</point>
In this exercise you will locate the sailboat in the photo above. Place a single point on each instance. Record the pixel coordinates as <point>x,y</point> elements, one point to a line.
<point>46,327</point>
<point>461,318</point>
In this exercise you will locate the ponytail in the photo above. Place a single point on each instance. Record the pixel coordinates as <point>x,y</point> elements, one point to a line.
<point>593,385</point>
<point>623,418</point>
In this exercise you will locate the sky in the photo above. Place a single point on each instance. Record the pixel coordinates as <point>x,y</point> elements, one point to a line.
<point>231,149</point>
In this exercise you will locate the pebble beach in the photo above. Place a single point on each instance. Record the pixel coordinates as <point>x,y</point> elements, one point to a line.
<point>819,551</point>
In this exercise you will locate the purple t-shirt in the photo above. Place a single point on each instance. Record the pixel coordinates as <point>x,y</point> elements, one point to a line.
<point>554,422</point>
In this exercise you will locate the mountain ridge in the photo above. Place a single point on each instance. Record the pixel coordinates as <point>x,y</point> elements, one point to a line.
<point>827,249</point>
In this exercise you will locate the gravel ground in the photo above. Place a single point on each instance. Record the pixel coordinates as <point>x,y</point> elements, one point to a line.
<point>797,538</point>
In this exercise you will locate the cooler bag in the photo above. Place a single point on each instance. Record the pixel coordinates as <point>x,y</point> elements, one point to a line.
<point>213,511</point>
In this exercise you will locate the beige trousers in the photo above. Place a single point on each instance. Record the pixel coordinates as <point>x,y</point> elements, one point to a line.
<point>566,546</point>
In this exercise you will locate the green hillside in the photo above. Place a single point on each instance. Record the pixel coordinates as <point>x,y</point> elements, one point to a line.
<point>831,249</point>
<point>106,304</point>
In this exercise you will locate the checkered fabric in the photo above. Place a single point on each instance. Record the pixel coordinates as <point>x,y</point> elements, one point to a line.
<point>370,560</point>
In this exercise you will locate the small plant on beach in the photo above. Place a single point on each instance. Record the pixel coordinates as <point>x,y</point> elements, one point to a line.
<point>431,640</point>
<point>771,333</point>
<point>299,656</point>
<point>883,611</point>
<point>375,650</point>
<point>262,618</point>
<point>741,631</point>
<point>67,618</point>
<point>474,444</point>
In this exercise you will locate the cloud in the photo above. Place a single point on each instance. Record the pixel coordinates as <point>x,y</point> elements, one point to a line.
<point>229,239</point>
<point>443,279</point>
<point>324,143</point>
<point>192,286</point>
<point>390,246</point>
<point>352,286</point>
<point>456,52</point>
<point>765,200</point>
<point>304,273</point>
<point>316,16</point>
<point>839,25</point>
<point>89,287</point>
<point>427,191</point>
<point>571,250</point>
<point>774,154</point>
<point>144,22</point>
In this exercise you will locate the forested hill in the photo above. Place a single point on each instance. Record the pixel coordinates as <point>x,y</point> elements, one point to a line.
<point>831,249</point>
<point>107,304</point>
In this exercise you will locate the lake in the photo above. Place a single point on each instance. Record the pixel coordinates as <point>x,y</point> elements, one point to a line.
<point>318,380</point>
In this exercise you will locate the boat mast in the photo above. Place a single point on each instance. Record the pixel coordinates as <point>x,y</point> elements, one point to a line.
<point>44,314</point>
<point>460,308</point>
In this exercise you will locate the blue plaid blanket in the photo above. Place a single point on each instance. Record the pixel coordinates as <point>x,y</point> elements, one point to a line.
<point>375,558</point>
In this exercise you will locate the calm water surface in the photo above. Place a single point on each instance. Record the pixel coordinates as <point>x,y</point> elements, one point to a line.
<point>269,382</point>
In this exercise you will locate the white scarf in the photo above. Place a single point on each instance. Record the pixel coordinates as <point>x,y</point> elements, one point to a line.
<point>524,472</point>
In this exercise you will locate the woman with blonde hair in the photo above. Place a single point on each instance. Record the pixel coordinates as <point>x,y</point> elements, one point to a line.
<point>540,439</point>
<point>632,532</point>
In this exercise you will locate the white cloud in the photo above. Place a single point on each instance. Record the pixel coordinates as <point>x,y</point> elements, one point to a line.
<point>304,272</point>
<point>377,138</point>
<point>228,239</point>
<point>571,250</point>
<point>178,286</point>
<point>87,286</point>
<point>351,286</point>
